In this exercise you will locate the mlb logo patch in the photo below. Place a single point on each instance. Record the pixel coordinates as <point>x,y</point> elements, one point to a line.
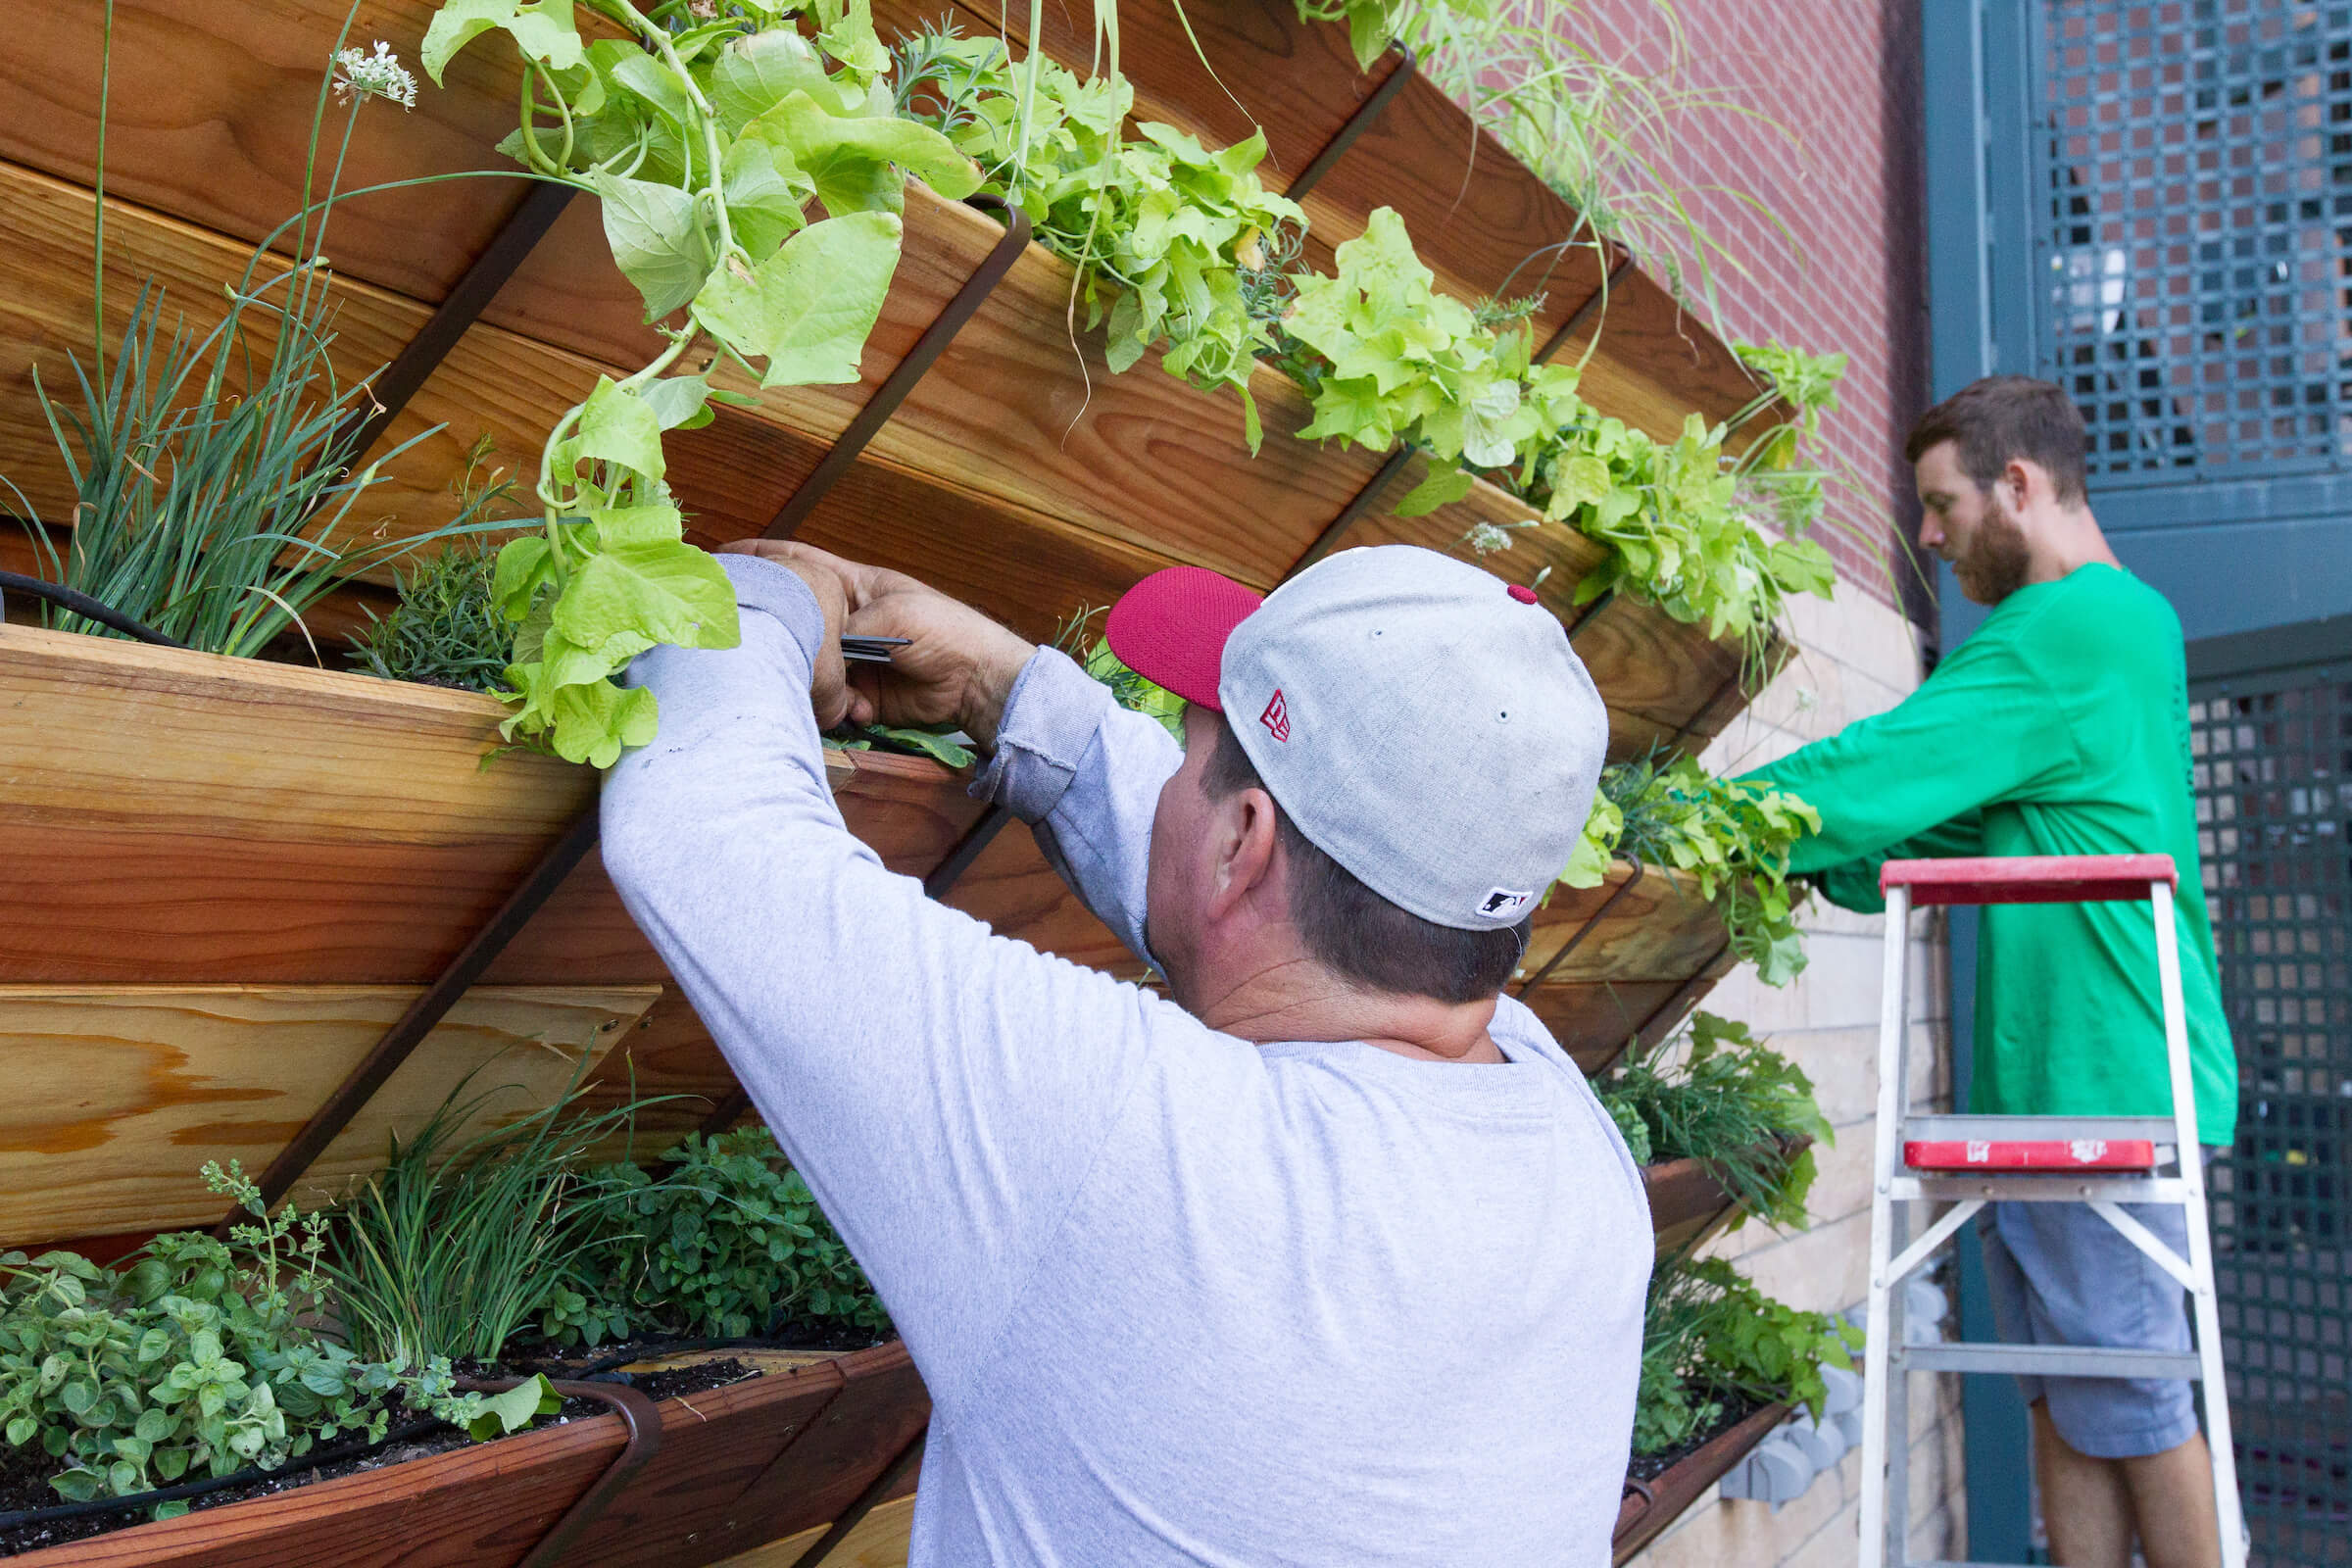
<point>1276,718</point>
<point>1503,903</point>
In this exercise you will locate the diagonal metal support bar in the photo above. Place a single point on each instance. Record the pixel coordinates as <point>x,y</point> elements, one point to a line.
<point>911,370</point>
<point>427,1010</point>
<point>414,365</point>
<point>1583,314</point>
<point>1329,539</point>
<point>867,1500</point>
<point>1366,114</point>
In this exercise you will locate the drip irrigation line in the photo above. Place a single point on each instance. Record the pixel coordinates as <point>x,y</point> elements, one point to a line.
<point>330,1454</point>
<point>81,603</point>
<point>1592,305</point>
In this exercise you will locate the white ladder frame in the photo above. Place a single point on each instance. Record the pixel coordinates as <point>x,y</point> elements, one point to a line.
<point>1885,1395</point>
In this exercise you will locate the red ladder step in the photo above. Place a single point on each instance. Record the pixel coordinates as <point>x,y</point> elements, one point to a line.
<point>2039,1154</point>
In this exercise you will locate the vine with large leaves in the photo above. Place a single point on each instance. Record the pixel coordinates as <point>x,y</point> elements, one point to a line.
<point>706,134</point>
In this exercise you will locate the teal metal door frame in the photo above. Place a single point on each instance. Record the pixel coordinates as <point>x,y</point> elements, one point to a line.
<point>2239,550</point>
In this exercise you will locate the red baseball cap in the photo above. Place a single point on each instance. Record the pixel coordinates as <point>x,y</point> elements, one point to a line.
<point>1171,628</point>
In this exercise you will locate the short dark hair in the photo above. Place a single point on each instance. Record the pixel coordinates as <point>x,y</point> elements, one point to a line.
<point>2003,417</point>
<point>1359,935</point>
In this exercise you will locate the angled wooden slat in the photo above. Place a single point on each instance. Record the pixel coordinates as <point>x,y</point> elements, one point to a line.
<point>122,1092</point>
<point>176,817</point>
<point>1659,929</point>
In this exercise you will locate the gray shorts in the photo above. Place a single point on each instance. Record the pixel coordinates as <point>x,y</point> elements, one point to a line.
<point>2059,1274</point>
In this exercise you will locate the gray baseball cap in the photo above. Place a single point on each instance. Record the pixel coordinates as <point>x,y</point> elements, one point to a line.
<point>1423,722</point>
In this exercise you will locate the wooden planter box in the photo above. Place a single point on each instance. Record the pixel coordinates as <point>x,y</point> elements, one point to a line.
<point>196,852</point>
<point>1641,1518</point>
<point>755,1461</point>
<point>1031,506</point>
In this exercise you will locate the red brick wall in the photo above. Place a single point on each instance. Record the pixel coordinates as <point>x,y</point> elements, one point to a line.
<point>1842,80</point>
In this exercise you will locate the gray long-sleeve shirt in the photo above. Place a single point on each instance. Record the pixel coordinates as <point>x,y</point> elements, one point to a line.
<point>1178,1297</point>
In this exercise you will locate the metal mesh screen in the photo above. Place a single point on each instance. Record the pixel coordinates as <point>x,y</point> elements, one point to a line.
<point>2274,782</point>
<point>2197,194</point>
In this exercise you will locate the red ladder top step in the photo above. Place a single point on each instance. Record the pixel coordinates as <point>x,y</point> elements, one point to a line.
<point>2030,878</point>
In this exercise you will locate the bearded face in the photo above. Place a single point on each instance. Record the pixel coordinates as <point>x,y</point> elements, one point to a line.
<point>1992,560</point>
<point>1974,527</point>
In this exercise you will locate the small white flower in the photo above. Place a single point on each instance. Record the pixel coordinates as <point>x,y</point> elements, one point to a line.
<point>360,75</point>
<point>1486,538</point>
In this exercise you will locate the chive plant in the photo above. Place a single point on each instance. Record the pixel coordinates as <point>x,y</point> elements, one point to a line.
<point>214,489</point>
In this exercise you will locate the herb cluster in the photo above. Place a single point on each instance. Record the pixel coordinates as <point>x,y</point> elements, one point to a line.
<point>1733,835</point>
<point>201,1359</point>
<point>726,1241</point>
<point>1716,1094</point>
<point>1712,1339</point>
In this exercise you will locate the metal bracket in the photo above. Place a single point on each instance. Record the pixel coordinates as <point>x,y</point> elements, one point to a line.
<point>1357,125</point>
<point>910,370</point>
<point>414,363</point>
<point>855,1514</point>
<point>430,1008</point>
<point>639,1416</point>
<point>1592,305</point>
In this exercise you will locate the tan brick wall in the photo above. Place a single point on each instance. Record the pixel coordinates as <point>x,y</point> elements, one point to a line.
<point>1856,657</point>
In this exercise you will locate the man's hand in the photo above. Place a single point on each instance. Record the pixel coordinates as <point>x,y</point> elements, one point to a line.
<point>958,667</point>
<point>828,685</point>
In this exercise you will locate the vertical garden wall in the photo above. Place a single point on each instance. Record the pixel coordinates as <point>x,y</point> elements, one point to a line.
<point>263,911</point>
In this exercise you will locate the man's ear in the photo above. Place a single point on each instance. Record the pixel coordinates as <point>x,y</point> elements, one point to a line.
<point>2026,481</point>
<point>1247,844</point>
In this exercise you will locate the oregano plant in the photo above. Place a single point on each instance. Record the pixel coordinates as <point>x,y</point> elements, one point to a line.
<point>714,134</point>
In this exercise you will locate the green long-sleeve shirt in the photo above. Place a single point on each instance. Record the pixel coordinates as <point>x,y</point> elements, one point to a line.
<point>2060,727</point>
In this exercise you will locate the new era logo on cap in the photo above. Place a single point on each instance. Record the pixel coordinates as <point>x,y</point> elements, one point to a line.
<point>1276,718</point>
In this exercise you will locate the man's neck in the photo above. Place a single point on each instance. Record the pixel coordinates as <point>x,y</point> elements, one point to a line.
<point>2067,540</point>
<point>1300,999</point>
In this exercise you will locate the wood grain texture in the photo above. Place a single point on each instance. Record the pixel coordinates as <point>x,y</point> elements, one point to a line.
<point>1687,1479</point>
<point>123,1092</point>
<point>881,1540</point>
<point>1659,929</point>
<point>882,1407</point>
<point>168,817</point>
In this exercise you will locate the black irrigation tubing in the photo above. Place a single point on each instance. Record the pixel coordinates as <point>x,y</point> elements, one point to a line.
<point>1585,930</point>
<point>1361,120</point>
<point>1600,602</point>
<point>911,370</point>
<point>81,603</point>
<point>59,1513</point>
<point>428,1009</point>
<point>855,1515</point>
<point>416,363</point>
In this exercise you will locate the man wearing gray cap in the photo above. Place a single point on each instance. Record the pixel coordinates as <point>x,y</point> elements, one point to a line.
<point>1327,1257</point>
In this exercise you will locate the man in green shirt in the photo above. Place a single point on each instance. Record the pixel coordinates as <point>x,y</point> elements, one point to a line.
<point>2059,727</point>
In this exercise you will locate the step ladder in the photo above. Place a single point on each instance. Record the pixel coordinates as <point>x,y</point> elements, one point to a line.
<point>2102,1161</point>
